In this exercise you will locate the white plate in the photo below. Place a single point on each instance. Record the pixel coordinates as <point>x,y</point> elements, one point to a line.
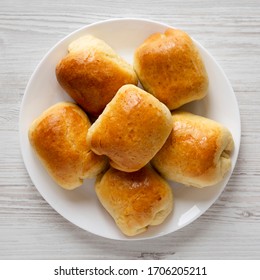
<point>81,206</point>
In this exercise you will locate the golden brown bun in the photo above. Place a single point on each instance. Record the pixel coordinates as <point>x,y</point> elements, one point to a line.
<point>135,200</point>
<point>197,152</point>
<point>131,130</point>
<point>169,67</point>
<point>58,137</point>
<point>91,73</point>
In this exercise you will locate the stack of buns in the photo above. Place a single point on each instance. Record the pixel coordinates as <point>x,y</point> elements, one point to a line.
<point>138,139</point>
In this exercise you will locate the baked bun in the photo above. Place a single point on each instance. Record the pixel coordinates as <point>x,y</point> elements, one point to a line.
<point>58,137</point>
<point>135,200</point>
<point>169,66</point>
<point>197,152</point>
<point>92,72</point>
<point>131,130</point>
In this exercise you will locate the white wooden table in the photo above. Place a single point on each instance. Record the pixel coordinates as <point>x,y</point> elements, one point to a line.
<point>31,229</point>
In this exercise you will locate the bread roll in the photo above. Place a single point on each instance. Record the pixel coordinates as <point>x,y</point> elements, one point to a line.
<point>169,66</point>
<point>197,152</point>
<point>58,137</point>
<point>131,130</point>
<point>92,72</point>
<point>135,200</point>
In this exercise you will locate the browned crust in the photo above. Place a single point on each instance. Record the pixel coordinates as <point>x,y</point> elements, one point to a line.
<point>58,137</point>
<point>135,200</point>
<point>170,67</point>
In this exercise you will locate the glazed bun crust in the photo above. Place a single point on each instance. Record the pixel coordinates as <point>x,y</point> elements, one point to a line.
<point>170,67</point>
<point>197,152</point>
<point>135,200</point>
<point>131,130</point>
<point>58,136</point>
<point>92,72</point>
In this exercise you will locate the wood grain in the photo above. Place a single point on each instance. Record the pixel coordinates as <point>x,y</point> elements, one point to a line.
<point>31,229</point>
